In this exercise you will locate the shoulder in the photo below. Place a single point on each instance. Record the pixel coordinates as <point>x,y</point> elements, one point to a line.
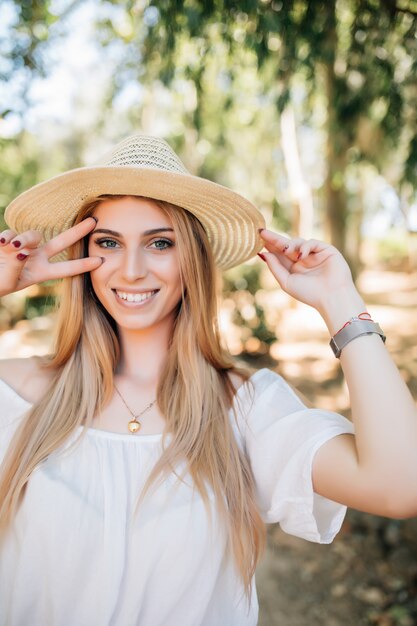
<point>266,391</point>
<point>252,379</point>
<point>266,379</point>
<point>236,379</point>
<point>25,376</point>
<point>244,379</point>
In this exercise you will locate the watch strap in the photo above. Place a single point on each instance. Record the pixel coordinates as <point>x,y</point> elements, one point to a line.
<point>354,329</point>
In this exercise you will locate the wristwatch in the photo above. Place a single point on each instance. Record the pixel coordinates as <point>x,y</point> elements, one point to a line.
<point>352,330</point>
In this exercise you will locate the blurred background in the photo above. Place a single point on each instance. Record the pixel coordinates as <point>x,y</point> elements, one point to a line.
<point>308,108</point>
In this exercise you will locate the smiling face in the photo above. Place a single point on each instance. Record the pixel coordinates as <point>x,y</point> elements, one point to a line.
<point>139,282</point>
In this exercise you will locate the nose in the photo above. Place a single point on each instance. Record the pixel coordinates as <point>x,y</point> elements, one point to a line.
<point>134,265</point>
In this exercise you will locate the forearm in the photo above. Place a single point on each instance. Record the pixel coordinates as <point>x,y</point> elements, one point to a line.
<point>376,471</point>
<point>383,411</point>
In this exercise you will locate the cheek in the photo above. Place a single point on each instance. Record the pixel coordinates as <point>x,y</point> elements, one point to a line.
<point>98,279</point>
<point>174,268</point>
<point>174,280</point>
<point>90,248</point>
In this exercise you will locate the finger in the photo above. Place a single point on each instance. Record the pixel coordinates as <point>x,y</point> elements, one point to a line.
<point>277,268</point>
<point>280,253</point>
<point>6,236</point>
<point>28,239</point>
<point>69,237</point>
<point>311,246</point>
<point>280,243</point>
<point>275,240</point>
<point>64,269</point>
<point>22,254</point>
<point>10,272</point>
<point>292,250</point>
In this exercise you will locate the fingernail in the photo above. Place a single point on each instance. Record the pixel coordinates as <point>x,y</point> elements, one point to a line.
<point>94,218</point>
<point>2,240</point>
<point>300,254</point>
<point>262,256</point>
<point>285,248</point>
<point>21,256</point>
<point>102,259</point>
<point>16,243</point>
<point>260,230</point>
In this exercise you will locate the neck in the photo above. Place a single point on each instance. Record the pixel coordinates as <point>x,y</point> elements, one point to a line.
<point>143,354</point>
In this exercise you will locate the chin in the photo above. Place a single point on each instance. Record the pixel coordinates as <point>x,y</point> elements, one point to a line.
<point>132,323</point>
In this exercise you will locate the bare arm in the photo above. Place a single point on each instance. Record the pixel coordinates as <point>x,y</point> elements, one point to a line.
<point>375,470</point>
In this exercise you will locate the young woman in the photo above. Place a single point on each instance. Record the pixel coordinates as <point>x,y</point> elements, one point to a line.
<point>139,465</point>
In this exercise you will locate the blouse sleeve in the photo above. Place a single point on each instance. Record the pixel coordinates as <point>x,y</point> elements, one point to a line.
<point>280,437</point>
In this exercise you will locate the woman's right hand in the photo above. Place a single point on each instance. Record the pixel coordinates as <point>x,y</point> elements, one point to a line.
<point>28,263</point>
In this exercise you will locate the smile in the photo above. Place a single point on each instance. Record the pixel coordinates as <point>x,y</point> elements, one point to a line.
<point>136,298</point>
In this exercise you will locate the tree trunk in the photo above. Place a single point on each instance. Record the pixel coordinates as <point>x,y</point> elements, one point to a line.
<point>300,191</point>
<point>336,213</point>
<point>335,203</point>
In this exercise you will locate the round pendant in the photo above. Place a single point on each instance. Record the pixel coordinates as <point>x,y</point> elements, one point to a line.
<point>134,426</point>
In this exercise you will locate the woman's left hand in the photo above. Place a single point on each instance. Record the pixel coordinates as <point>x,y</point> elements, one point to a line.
<point>307,269</point>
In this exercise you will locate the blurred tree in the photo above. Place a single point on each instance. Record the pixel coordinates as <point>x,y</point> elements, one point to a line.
<point>25,29</point>
<point>359,54</point>
<point>26,35</point>
<point>236,67</point>
<point>19,168</point>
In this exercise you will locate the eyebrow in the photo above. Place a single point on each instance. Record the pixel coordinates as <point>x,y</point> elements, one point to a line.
<point>152,231</point>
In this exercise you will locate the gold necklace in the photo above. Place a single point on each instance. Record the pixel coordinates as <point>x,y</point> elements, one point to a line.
<point>134,425</point>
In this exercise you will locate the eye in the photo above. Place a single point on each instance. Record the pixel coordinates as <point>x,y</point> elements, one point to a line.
<point>162,244</point>
<point>106,243</point>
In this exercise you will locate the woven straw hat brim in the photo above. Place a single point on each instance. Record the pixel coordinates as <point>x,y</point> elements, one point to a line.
<point>231,221</point>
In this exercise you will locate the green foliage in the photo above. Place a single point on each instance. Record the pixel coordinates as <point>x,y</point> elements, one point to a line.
<point>392,251</point>
<point>39,305</point>
<point>361,55</point>
<point>19,168</point>
<point>410,167</point>
<point>22,46</point>
<point>240,285</point>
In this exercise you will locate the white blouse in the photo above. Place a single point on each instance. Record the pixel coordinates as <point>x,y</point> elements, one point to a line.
<point>75,556</point>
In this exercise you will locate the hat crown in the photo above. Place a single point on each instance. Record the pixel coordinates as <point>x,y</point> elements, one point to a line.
<point>145,152</point>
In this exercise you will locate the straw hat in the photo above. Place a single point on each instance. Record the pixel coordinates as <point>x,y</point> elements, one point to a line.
<point>143,166</point>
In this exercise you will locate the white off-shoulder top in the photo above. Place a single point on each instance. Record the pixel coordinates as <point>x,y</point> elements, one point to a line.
<point>76,556</point>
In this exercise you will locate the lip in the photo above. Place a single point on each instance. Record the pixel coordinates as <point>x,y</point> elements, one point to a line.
<point>135,305</point>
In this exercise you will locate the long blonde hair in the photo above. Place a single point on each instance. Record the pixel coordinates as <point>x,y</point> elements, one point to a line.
<point>82,368</point>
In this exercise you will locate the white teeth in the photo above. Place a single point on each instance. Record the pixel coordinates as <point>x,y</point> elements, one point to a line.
<point>135,297</point>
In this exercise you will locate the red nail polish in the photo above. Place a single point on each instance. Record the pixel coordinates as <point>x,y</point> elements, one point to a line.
<point>2,240</point>
<point>16,243</point>
<point>21,256</point>
<point>262,256</point>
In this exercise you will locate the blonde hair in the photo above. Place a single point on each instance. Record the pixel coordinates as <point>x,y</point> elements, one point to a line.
<point>197,415</point>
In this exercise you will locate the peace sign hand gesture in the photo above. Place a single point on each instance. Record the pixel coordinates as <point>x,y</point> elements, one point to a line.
<point>309,270</point>
<point>28,263</point>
